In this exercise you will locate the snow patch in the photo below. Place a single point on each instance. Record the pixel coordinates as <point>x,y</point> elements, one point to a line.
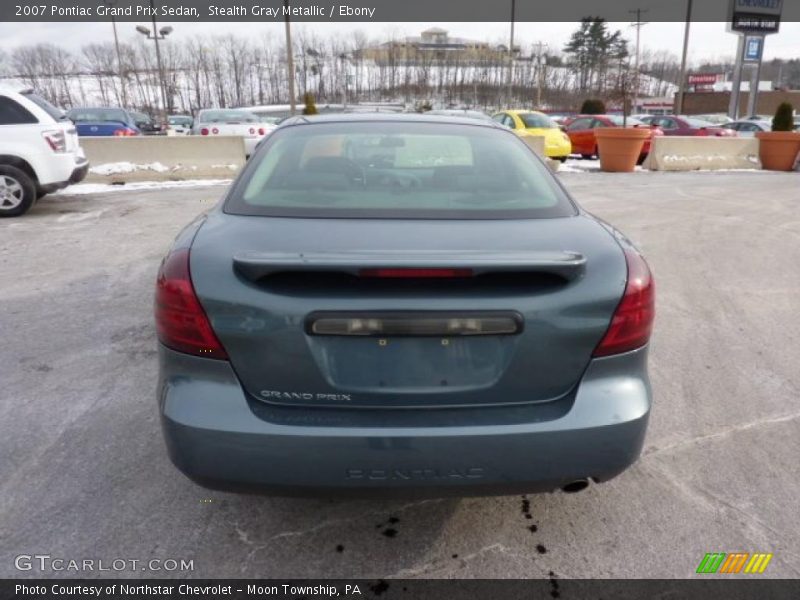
<point>102,188</point>
<point>126,167</point>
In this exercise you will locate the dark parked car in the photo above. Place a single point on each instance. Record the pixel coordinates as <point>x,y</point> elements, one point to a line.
<point>103,122</point>
<point>399,303</point>
<point>146,124</point>
<point>680,125</point>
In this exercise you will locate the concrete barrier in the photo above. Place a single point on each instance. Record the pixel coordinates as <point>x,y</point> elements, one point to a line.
<point>536,143</point>
<point>689,153</point>
<point>163,158</point>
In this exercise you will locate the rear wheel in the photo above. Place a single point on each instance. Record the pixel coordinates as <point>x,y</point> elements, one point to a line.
<point>17,191</point>
<point>586,156</point>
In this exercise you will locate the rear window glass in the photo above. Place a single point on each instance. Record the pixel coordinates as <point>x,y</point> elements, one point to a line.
<point>396,170</point>
<point>698,123</point>
<point>87,115</point>
<point>227,116</point>
<point>619,120</point>
<point>51,110</point>
<point>532,120</point>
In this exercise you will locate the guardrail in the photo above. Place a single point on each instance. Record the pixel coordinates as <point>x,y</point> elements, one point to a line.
<point>689,153</point>
<point>163,158</point>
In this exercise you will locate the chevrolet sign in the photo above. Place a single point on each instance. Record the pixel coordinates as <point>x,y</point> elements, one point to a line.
<point>755,16</point>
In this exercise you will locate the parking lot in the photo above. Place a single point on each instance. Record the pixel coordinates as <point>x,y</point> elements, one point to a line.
<point>85,472</point>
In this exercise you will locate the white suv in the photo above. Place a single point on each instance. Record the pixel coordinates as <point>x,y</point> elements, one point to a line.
<point>39,151</point>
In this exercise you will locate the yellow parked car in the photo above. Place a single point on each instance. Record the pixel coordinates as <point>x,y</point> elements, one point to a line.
<point>534,123</point>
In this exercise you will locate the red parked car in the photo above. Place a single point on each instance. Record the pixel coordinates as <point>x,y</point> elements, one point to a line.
<point>681,125</point>
<point>581,133</point>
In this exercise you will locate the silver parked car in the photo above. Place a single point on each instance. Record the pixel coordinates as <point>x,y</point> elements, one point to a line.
<point>402,303</point>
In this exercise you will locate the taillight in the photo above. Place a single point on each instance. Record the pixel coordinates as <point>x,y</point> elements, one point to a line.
<point>215,131</point>
<point>261,131</point>
<point>204,131</point>
<point>181,322</point>
<point>125,132</point>
<point>416,273</point>
<point>632,322</point>
<point>56,139</point>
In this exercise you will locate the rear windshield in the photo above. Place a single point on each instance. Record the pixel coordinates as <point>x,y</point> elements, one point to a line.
<point>534,121</point>
<point>619,120</point>
<point>698,123</point>
<point>51,110</point>
<point>397,170</point>
<point>227,116</point>
<point>87,115</point>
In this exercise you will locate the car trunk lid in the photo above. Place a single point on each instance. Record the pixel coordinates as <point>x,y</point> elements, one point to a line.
<point>439,313</point>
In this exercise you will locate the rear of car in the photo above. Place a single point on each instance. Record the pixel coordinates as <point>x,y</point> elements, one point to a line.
<point>39,151</point>
<point>557,144</point>
<point>179,125</point>
<point>146,124</point>
<point>401,305</point>
<point>236,122</point>
<point>103,122</point>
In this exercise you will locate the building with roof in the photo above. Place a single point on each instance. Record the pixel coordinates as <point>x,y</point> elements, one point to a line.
<point>437,46</point>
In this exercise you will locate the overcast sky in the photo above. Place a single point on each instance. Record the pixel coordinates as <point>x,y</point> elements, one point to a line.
<point>707,41</point>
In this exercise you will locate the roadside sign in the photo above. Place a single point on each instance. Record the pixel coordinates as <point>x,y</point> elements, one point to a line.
<point>753,47</point>
<point>703,78</point>
<point>755,16</point>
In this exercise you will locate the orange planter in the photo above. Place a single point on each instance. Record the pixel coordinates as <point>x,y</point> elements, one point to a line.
<point>620,147</point>
<point>778,150</point>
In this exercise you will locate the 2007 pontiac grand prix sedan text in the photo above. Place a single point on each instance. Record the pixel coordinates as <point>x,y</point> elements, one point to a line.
<point>398,303</point>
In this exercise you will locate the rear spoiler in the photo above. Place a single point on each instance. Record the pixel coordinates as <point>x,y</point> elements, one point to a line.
<point>256,265</point>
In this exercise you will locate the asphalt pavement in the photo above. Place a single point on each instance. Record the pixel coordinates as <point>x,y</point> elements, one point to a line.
<point>84,473</point>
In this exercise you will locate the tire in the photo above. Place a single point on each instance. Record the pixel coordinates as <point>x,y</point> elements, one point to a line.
<point>563,159</point>
<point>17,191</point>
<point>586,156</point>
<point>641,159</point>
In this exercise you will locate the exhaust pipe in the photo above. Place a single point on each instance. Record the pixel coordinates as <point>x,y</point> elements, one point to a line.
<point>573,487</point>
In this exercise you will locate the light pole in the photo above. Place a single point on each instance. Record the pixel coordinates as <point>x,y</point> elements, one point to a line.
<point>540,46</point>
<point>345,77</point>
<point>682,84</point>
<point>638,12</point>
<point>511,54</point>
<point>289,58</point>
<point>158,34</point>
<point>123,91</point>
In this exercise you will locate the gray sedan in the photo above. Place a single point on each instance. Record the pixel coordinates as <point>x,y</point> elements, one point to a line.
<point>748,127</point>
<point>402,304</point>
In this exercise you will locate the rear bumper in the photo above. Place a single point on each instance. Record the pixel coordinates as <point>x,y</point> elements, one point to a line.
<point>220,438</point>
<point>78,174</point>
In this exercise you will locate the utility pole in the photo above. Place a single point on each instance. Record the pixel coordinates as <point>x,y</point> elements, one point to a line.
<point>158,34</point>
<point>289,58</point>
<point>123,91</point>
<point>736,83</point>
<point>160,64</point>
<point>540,46</point>
<point>511,54</point>
<point>682,84</point>
<point>638,12</point>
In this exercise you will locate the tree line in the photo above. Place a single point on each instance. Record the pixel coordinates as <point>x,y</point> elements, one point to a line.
<point>229,71</point>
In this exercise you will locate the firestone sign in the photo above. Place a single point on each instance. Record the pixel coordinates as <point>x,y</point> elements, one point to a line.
<point>755,16</point>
